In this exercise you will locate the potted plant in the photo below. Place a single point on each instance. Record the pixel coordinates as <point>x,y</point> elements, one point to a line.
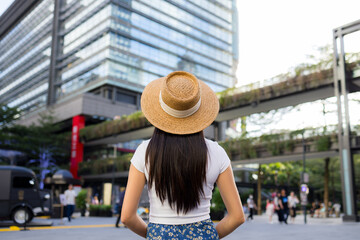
<point>105,211</point>
<point>217,209</point>
<point>80,201</point>
<point>94,210</point>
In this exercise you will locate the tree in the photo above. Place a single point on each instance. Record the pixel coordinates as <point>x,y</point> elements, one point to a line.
<point>10,134</point>
<point>7,117</point>
<point>46,146</point>
<point>41,143</point>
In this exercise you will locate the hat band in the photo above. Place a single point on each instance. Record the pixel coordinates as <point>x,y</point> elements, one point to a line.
<point>179,113</point>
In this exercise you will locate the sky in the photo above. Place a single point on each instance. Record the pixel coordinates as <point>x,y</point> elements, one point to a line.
<point>277,35</point>
<point>4,5</point>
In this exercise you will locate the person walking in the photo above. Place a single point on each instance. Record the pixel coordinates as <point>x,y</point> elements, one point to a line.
<point>179,165</point>
<point>121,201</point>
<point>337,208</point>
<point>293,201</point>
<point>284,205</point>
<point>70,196</point>
<point>252,206</point>
<point>279,208</point>
<point>270,209</point>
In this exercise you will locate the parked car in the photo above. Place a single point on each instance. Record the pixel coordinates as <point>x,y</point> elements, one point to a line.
<point>20,196</point>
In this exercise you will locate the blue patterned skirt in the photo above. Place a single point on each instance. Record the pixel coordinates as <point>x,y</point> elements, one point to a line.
<point>196,231</point>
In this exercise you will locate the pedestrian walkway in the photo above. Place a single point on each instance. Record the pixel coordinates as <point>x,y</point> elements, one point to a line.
<point>95,228</point>
<point>316,228</point>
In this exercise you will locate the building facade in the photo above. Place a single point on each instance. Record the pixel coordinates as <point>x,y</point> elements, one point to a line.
<point>61,49</point>
<point>89,60</point>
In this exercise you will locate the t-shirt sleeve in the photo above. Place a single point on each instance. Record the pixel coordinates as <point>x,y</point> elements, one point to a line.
<point>223,158</point>
<point>138,160</point>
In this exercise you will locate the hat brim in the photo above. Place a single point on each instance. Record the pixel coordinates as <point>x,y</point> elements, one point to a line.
<point>201,119</point>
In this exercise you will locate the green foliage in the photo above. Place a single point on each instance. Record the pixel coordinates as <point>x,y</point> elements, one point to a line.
<point>10,134</point>
<point>80,199</point>
<point>121,163</point>
<point>323,143</point>
<point>109,128</point>
<point>94,207</point>
<point>100,210</point>
<point>242,146</point>
<point>217,202</point>
<point>319,139</point>
<point>274,143</point>
<point>34,141</point>
<point>105,208</point>
<point>7,116</point>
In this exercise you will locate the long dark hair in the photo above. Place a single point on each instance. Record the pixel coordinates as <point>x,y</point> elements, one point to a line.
<point>177,168</point>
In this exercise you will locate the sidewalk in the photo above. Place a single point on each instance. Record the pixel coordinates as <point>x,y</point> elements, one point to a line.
<point>95,228</point>
<point>316,228</point>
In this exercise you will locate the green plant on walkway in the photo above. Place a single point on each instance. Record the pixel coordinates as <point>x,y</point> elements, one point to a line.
<point>80,199</point>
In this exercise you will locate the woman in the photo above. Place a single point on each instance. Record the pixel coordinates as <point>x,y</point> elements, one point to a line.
<point>270,209</point>
<point>179,165</point>
<point>293,201</point>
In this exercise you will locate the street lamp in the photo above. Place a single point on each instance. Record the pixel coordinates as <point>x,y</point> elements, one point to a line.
<point>304,189</point>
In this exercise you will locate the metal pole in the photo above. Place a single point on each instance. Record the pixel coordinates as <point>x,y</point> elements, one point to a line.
<point>346,156</point>
<point>303,172</point>
<point>26,215</point>
<point>113,174</point>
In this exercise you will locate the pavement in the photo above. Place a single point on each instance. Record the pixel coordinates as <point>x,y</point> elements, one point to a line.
<point>95,228</point>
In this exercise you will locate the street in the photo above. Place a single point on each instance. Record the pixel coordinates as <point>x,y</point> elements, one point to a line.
<point>103,228</point>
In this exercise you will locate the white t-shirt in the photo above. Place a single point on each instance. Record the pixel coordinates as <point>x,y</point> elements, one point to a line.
<point>250,203</point>
<point>293,201</point>
<point>70,197</point>
<point>162,213</point>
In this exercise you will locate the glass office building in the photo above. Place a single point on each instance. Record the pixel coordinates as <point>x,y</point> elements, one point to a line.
<point>25,59</point>
<point>60,49</point>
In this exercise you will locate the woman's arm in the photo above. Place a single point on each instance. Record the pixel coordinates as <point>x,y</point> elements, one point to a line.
<point>230,196</point>
<point>134,188</point>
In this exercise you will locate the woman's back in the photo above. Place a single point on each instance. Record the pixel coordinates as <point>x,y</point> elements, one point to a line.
<point>162,212</point>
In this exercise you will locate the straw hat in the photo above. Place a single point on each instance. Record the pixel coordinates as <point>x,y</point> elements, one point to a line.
<point>179,103</point>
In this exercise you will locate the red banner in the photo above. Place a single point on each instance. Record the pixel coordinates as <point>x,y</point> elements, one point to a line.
<point>77,148</point>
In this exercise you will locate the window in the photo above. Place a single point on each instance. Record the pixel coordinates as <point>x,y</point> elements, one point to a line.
<point>23,182</point>
<point>121,97</point>
<point>109,93</point>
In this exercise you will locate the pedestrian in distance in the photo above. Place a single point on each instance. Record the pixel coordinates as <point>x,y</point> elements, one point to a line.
<point>70,196</point>
<point>252,206</point>
<point>337,208</point>
<point>270,209</point>
<point>312,209</point>
<point>285,205</point>
<point>279,208</point>
<point>179,165</point>
<point>293,201</point>
<point>120,204</point>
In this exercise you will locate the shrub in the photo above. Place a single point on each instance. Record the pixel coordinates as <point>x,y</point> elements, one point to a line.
<point>217,202</point>
<point>80,200</point>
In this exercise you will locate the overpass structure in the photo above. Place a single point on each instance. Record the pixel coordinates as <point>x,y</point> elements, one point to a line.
<point>234,103</point>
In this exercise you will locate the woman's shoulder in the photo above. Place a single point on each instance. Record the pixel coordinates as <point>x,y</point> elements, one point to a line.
<point>214,147</point>
<point>212,144</point>
<point>143,145</point>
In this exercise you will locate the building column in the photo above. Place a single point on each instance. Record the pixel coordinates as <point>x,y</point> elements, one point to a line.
<point>77,148</point>
<point>341,86</point>
<point>56,47</point>
<point>221,131</point>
